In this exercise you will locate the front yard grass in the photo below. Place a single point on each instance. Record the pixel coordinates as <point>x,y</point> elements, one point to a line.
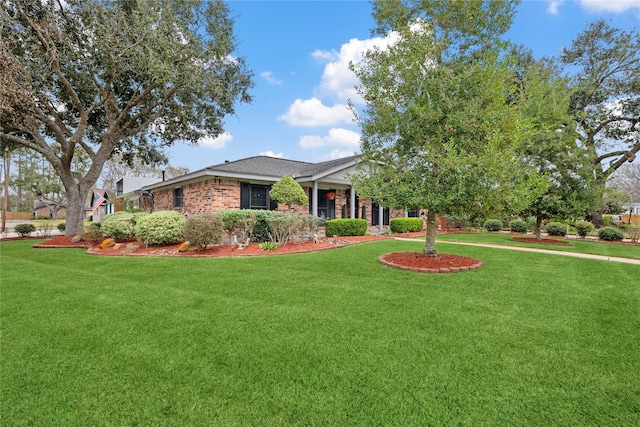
<point>328,338</point>
<point>577,245</point>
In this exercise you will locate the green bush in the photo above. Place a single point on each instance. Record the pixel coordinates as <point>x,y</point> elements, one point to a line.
<point>518,226</point>
<point>204,229</point>
<point>346,227</point>
<point>303,226</point>
<point>492,225</point>
<point>62,226</point>
<point>279,226</point>
<point>406,225</point>
<point>92,232</point>
<point>610,233</point>
<point>583,228</point>
<point>556,229</point>
<point>239,223</point>
<point>160,228</point>
<point>24,229</point>
<point>119,225</point>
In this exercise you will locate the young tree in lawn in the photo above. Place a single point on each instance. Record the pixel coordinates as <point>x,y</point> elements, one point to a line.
<point>605,66</point>
<point>287,191</point>
<point>438,131</point>
<point>544,98</point>
<point>115,76</point>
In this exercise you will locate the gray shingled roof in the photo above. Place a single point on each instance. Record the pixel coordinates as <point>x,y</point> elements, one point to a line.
<point>262,165</point>
<point>276,168</point>
<point>316,168</point>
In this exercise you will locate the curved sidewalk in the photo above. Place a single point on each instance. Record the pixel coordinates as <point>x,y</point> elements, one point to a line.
<point>550,252</point>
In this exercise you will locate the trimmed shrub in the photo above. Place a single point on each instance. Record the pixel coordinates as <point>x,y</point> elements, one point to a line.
<point>583,228</point>
<point>556,229</point>
<point>119,225</point>
<point>302,227</point>
<point>406,225</point>
<point>62,226</point>
<point>204,229</point>
<point>288,192</point>
<point>92,232</point>
<point>518,226</point>
<point>24,229</point>
<point>278,226</point>
<point>346,227</point>
<point>610,233</point>
<point>492,225</point>
<point>160,228</point>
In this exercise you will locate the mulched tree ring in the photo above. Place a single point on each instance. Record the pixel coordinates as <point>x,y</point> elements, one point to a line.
<point>548,241</point>
<point>420,263</point>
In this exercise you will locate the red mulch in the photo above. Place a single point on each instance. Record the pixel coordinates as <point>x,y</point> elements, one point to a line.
<point>137,248</point>
<point>548,241</point>
<point>442,263</point>
<point>414,261</point>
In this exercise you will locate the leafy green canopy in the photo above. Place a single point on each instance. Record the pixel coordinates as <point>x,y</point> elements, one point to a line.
<point>115,77</point>
<point>438,130</point>
<point>605,77</point>
<point>441,135</point>
<point>544,98</point>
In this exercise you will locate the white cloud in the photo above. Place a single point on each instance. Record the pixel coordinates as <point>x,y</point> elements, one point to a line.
<point>338,81</point>
<point>312,112</point>
<point>339,154</point>
<point>615,6</point>
<point>268,76</point>
<point>216,143</point>
<point>272,154</point>
<point>337,137</point>
<point>554,6</point>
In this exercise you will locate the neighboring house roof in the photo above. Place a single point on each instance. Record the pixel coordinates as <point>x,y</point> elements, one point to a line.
<point>131,184</point>
<point>263,168</point>
<point>38,204</point>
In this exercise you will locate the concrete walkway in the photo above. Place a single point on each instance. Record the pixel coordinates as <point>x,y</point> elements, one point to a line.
<point>548,251</point>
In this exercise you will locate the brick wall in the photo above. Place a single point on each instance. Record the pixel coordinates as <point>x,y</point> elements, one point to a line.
<point>208,196</point>
<point>215,194</point>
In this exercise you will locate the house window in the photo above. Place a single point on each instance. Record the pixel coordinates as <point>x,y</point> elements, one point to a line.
<point>256,196</point>
<point>178,197</point>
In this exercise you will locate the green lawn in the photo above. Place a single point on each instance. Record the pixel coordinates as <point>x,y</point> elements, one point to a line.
<point>328,338</point>
<point>577,245</point>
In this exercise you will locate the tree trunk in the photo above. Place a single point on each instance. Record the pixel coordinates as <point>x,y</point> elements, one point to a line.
<point>538,229</point>
<point>75,212</point>
<point>430,241</point>
<point>5,200</point>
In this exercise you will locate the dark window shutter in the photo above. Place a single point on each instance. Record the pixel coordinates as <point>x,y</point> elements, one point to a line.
<point>245,195</point>
<point>273,205</point>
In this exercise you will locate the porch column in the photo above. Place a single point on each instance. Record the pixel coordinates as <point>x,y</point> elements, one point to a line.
<point>352,203</point>
<point>381,218</point>
<point>314,199</point>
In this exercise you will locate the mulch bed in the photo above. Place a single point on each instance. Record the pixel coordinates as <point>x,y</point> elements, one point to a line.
<point>418,262</point>
<point>548,241</point>
<point>414,261</point>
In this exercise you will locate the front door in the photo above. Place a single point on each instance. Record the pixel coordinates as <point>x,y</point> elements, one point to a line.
<point>375,215</point>
<point>326,204</point>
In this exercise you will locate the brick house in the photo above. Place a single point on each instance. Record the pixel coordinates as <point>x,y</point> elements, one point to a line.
<point>245,184</point>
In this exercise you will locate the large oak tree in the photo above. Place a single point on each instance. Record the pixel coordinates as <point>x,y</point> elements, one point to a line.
<point>114,77</point>
<point>604,63</point>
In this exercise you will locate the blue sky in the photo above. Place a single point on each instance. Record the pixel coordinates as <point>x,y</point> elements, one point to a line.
<point>299,52</point>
